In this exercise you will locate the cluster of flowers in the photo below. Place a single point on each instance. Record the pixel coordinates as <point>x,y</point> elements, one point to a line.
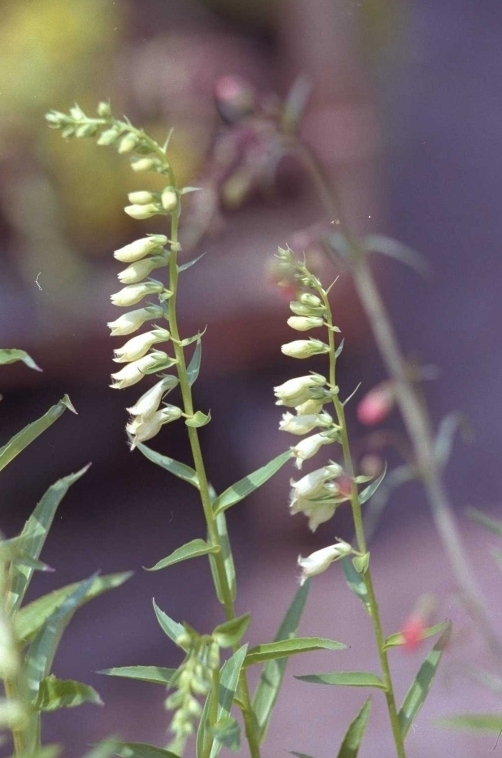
<point>143,256</point>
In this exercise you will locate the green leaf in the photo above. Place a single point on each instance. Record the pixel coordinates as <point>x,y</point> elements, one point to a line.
<point>478,722</point>
<point>361,563</point>
<point>420,686</point>
<point>11,355</point>
<point>198,419</point>
<point>34,535</point>
<point>379,243</point>
<point>193,367</point>
<point>141,750</point>
<point>398,639</point>
<point>168,626</point>
<point>273,672</point>
<point>356,583</point>
<point>493,525</point>
<point>195,338</point>
<point>54,694</point>
<point>354,735</point>
<point>25,437</point>
<point>227,732</point>
<point>30,619</point>
<point>151,674</point>
<point>345,679</point>
<point>285,648</point>
<point>229,680</point>
<point>370,490</point>
<point>250,483</point>
<point>169,464</point>
<point>193,549</point>
<point>188,264</point>
<point>104,749</point>
<point>231,632</point>
<point>221,528</point>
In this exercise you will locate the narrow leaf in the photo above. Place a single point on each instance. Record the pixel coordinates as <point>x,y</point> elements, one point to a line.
<point>188,264</point>
<point>227,732</point>
<point>229,680</point>
<point>11,355</point>
<point>169,464</point>
<point>25,437</point>
<point>30,619</point>
<point>399,639</point>
<point>420,686</point>
<point>273,671</point>
<point>141,750</point>
<point>285,648</point>
<point>221,528</point>
<point>193,549</point>
<point>231,632</point>
<point>478,722</point>
<point>54,694</point>
<point>168,626</point>
<point>193,367</point>
<point>354,735</point>
<point>356,583</point>
<point>370,490</point>
<point>250,483</point>
<point>345,679</point>
<point>151,674</point>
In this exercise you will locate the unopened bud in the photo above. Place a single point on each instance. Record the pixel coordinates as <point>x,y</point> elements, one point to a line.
<point>141,212</point>
<point>304,323</point>
<point>128,143</point>
<point>140,198</point>
<point>304,348</point>
<point>169,199</point>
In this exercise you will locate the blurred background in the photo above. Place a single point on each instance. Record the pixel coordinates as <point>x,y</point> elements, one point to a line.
<point>404,112</point>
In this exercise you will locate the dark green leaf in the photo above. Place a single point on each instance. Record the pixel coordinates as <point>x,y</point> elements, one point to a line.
<point>227,732</point>
<point>30,619</point>
<point>25,437</point>
<point>273,671</point>
<point>169,464</point>
<point>354,735</point>
<point>193,367</point>
<point>478,722</point>
<point>151,674</point>
<point>168,626</point>
<point>54,694</point>
<point>231,632</point>
<point>250,483</point>
<point>399,639</point>
<point>356,583</point>
<point>370,490</point>
<point>11,355</point>
<point>229,680</point>
<point>141,750</point>
<point>34,534</point>
<point>420,686</point>
<point>345,679</point>
<point>193,549</point>
<point>285,648</point>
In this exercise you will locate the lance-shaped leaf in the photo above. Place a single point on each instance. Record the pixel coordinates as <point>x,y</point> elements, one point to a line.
<point>15,550</point>
<point>227,732</point>
<point>273,671</point>
<point>420,686</point>
<point>11,355</point>
<point>25,437</point>
<point>370,490</point>
<point>354,735</point>
<point>54,694</point>
<point>345,679</point>
<point>284,648</point>
<point>188,264</point>
<point>192,549</point>
<point>473,722</point>
<point>151,674</point>
<point>193,367</point>
<point>229,680</point>
<point>35,533</point>
<point>172,628</point>
<point>30,619</point>
<point>181,470</point>
<point>250,483</point>
<point>399,639</point>
<point>355,580</point>
<point>221,528</point>
<point>142,750</point>
<point>231,632</point>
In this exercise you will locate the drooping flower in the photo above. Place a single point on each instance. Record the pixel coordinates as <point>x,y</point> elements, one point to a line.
<point>140,248</point>
<point>309,446</point>
<point>312,484</point>
<point>138,346</point>
<point>320,560</point>
<point>132,321</point>
<point>141,212</point>
<point>134,372</point>
<point>133,293</point>
<point>297,391</point>
<point>139,270</point>
<point>304,348</point>
<point>304,424</point>
<point>142,428</point>
<point>304,323</point>
<point>149,402</point>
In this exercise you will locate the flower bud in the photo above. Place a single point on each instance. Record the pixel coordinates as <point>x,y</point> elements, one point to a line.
<point>309,446</point>
<point>139,270</point>
<point>140,248</point>
<point>140,198</point>
<point>296,391</point>
<point>138,346</point>
<point>135,371</point>
<point>133,293</point>
<point>319,561</point>
<point>312,484</point>
<point>104,110</point>
<point>132,321</point>
<point>169,199</point>
<point>150,401</point>
<point>140,212</point>
<point>304,424</point>
<point>128,143</point>
<point>304,348</point>
<point>144,164</point>
<point>304,323</point>
<point>376,404</point>
<point>109,136</point>
<point>307,298</point>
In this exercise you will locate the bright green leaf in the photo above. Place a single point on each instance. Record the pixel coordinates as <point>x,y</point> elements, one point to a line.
<point>193,367</point>
<point>193,549</point>
<point>168,626</point>
<point>370,490</point>
<point>54,694</point>
<point>151,674</point>
<point>478,722</point>
<point>169,464</point>
<point>198,419</point>
<point>273,672</point>
<point>345,679</point>
<point>399,639</point>
<point>285,648</point>
<point>231,632</point>
<point>420,686</point>
<point>25,437</point>
<point>354,735</point>
<point>250,483</point>
<point>11,355</point>
<point>356,583</point>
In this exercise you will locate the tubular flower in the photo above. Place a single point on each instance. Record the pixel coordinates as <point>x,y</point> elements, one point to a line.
<point>316,512</point>
<point>132,321</point>
<point>139,270</point>
<point>140,198</point>
<point>150,401</point>
<point>138,249</point>
<point>310,407</point>
<point>312,484</point>
<point>304,424</point>
<point>134,372</point>
<point>304,348</point>
<point>297,391</point>
<point>309,446</point>
<point>319,561</point>
<point>133,293</point>
<point>144,428</point>
<point>138,346</point>
<point>304,323</point>
<point>141,212</point>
